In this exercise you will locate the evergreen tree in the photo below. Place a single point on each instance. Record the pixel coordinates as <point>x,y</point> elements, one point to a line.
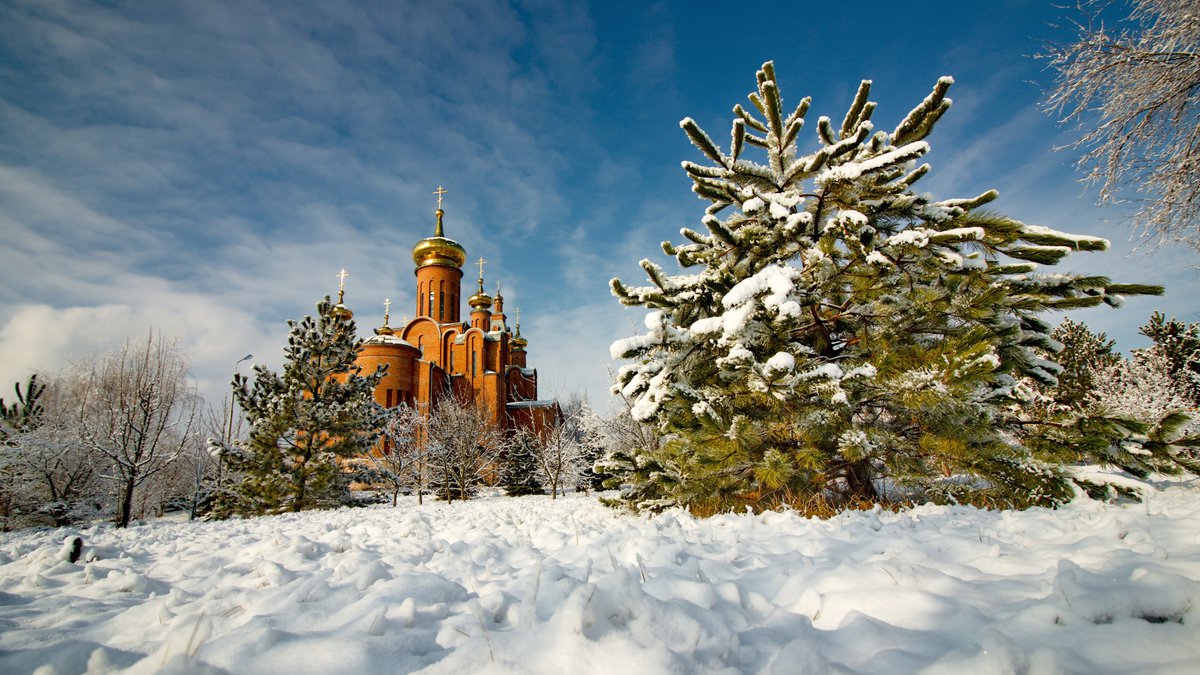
<point>1179,343</point>
<point>26,414</point>
<point>317,411</point>
<point>1083,354</point>
<point>519,473</point>
<point>841,326</point>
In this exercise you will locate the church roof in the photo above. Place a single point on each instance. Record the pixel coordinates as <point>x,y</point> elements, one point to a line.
<point>533,404</point>
<point>384,339</point>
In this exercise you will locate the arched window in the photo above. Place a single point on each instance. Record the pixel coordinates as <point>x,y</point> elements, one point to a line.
<point>441,305</point>
<point>421,300</point>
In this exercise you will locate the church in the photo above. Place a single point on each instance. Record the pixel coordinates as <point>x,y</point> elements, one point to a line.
<point>438,354</point>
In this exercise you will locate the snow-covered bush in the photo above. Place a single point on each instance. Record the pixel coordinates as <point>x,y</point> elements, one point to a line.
<point>840,326</point>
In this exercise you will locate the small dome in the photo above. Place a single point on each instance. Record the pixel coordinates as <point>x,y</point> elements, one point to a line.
<point>480,300</point>
<point>340,309</point>
<point>519,342</point>
<point>438,250</point>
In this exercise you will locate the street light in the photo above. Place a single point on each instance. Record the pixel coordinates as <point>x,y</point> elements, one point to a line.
<point>228,434</point>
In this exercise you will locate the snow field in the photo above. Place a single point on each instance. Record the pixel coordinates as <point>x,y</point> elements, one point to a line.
<point>516,585</point>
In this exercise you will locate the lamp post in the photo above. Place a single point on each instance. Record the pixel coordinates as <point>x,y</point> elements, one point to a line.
<point>228,436</point>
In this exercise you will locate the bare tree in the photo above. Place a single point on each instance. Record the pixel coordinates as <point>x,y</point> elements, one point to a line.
<point>1136,92</point>
<point>138,413</point>
<point>403,459</point>
<point>464,447</point>
<point>560,455</point>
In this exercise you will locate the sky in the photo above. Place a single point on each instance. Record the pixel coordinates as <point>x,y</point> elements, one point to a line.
<point>206,168</point>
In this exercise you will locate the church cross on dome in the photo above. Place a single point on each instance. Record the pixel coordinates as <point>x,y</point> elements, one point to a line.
<point>439,192</point>
<point>481,262</point>
<point>342,285</point>
<point>387,306</point>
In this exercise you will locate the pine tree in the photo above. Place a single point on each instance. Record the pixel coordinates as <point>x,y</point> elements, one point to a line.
<point>841,326</point>
<point>26,414</point>
<point>1179,343</point>
<point>1083,354</point>
<point>317,411</point>
<point>519,473</point>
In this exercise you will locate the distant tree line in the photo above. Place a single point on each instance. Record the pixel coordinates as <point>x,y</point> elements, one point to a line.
<point>122,435</point>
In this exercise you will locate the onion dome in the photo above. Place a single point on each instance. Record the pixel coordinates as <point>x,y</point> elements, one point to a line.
<point>481,300</point>
<point>340,309</point>
<point>385,329</point>
<point>438,250</point>
<point>518,343</point>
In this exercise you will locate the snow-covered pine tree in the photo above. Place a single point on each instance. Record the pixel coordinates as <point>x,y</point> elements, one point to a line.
<point>840,326</point>
<point>1136,419</point>
<point>519,472</point>
<point>1179,343</point>
<point>319,409</point>
<point>26,413</point>
<point>1083,354</point>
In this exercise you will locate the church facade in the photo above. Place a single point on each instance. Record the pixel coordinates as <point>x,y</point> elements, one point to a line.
<point>438,353</point>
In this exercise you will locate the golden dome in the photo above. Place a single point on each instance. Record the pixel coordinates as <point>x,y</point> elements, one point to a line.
<point>438,250</point>
<point>480,300</point>
<point>519,342</point>
<point>340,309</point>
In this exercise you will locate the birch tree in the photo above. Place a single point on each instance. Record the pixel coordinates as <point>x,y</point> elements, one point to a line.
<point>464,447</point>
<point>137,413</point>
<point>1135,91</point>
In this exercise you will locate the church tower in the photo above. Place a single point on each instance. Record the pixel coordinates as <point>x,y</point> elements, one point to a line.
<point>439,273</point>
<point>437,354</point>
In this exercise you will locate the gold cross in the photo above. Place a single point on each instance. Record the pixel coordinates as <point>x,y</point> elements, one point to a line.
<point>518,311</point>
<point>342,280</point>
<point>481,262</point>
<point>439,192</point>
<point>387,306</point>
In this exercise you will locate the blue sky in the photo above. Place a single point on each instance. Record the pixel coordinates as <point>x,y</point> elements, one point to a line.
<point>207,167</point>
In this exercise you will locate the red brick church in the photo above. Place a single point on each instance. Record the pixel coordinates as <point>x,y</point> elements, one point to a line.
<point>437,354</point>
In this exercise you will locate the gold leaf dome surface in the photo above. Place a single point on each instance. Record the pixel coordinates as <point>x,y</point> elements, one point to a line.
<point>438,250</point>
<point>480,300</point>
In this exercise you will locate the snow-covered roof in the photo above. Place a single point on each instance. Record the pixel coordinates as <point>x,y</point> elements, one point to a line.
<point>533,404</point>
<point>388,340</point>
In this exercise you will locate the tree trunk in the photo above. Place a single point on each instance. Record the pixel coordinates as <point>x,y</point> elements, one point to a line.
<point>858,481</point>
<point>126,507</point>
<point>298,500</point>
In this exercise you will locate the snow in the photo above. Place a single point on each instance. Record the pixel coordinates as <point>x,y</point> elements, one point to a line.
<point>852,170</point>
<point>781,362</point>
<point>384,339</point>
<point>542,403</point>
<point>531,585</point>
